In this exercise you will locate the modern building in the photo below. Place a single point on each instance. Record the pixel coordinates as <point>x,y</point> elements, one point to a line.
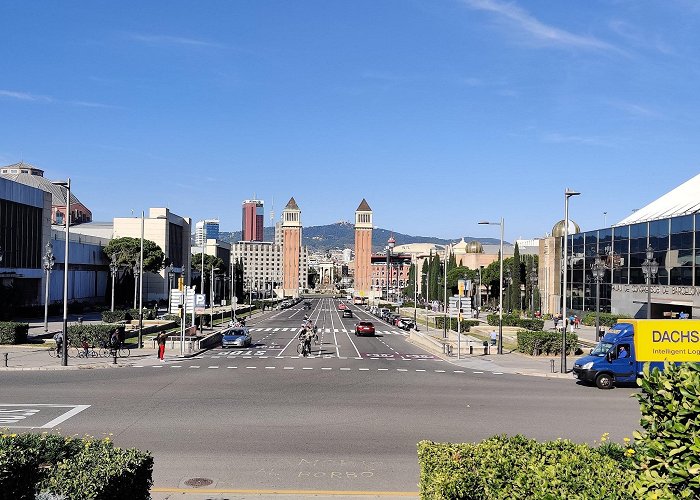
<point>396,273</point>
<point>25,230</point>
<point>262,266</point>
<point>363,250</point>
<point>171,233</point>
<point>253,221</point>
<point>207,229</point>
<point>31,176</point>
<point>668,227</point>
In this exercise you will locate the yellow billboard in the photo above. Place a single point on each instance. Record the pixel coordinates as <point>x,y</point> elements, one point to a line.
<point>666,339</point>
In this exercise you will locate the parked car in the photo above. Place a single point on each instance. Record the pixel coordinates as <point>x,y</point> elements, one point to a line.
<point>236,337</point>
<point>347,313</point>
<point>405,324</point>
<point>364,328</point>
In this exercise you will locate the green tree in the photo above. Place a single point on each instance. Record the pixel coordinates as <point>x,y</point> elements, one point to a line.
<point>490,279</point>
<point>408,289</point>
<point>128,250</point>
<point>424,278</point>
<point>458,273</point>
<point>516,272</point>
<point>435,279</point>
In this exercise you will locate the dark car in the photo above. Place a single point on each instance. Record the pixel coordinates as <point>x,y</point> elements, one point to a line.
<point>364,328</point>
<point>347,313</point>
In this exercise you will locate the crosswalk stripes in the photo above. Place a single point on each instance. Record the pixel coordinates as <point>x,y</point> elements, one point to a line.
<point>328,330</point>
<point>344,368</point>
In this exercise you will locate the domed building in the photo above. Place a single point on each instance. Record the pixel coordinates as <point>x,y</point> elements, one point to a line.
<point>558,229</point>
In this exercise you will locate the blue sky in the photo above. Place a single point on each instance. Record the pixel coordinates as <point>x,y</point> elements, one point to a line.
<point>439,112</point>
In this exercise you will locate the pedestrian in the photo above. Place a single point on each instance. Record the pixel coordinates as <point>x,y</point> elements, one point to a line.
<point>556,321</point>
<point>162,337</point>
<point>577,322</point>
<point>494,337</point>
<point>58,338</point>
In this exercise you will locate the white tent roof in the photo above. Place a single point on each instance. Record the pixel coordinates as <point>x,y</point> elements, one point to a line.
<point>683,200</point>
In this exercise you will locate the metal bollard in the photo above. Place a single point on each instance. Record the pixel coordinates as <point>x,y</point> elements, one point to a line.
<point>115,357</point>
<point>551,365</point>
<point>6,355</point>
<point>486,349</point>
<point>471,349</point>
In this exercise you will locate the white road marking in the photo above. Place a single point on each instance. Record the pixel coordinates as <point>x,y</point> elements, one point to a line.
<point>231,367</point>
<point>420,370</point>
<point>269,367</point>
<point>288,367</point>
<point>276,330</point>
<point>364,369</point>
<point>382,369</point>
<point>498,373</point>
<point>439,371</point>
<point>401,370</point>
<point>345,369</point>
<point>477,372</point>
<point>194,366</point>
<point>175,366</point>
<point>157,366</point>
<point>212,367</point>
<point>252,367</point>
<point>307,368</point>
<point>459,371</point>
<point>326,368</point>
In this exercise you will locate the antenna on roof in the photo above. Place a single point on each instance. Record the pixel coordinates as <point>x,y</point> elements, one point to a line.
<point>272,210</point>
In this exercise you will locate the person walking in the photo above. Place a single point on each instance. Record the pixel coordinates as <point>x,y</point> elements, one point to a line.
<point>162,337</point>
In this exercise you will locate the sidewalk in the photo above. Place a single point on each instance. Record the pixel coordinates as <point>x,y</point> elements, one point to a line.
<point>509,362</point>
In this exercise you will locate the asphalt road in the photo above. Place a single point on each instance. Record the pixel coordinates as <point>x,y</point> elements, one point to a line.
<point>346,419</point>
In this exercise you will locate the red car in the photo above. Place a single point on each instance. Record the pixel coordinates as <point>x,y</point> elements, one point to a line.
<point>364,328</point>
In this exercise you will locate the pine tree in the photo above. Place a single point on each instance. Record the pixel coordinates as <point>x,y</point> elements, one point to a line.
<point>424,278</point>
<point>515,273</point>
<point>435,278</point>
<point>408,289</point>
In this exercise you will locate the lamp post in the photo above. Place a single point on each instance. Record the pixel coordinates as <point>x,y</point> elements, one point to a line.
<point>568,193</point>
<point>64,354</point>
<point>500,289</point>
<point>140,346</point>
<point>135,269</point>
<point>211,299</point>
<point>478,294</point>
<point>506,284</point>
<point>650,268</point>
<point>113,268</point>
<point>171,275</point>
<point>49,261</point>
<point>533,285</point>
<point>598,272</point>
<point>415,294</point>
<point>389,248</point>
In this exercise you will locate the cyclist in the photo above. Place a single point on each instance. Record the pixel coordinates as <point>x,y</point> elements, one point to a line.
<point>305,337</point>
<point>86,347</point>
<point>114,342</point>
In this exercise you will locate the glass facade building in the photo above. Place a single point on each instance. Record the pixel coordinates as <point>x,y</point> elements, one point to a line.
<point>675,242</point>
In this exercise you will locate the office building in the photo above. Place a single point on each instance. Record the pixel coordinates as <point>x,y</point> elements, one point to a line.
<point>207,229</point>
<point>253,221</point>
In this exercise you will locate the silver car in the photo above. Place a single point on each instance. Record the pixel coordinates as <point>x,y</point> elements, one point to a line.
<point>236,337</point>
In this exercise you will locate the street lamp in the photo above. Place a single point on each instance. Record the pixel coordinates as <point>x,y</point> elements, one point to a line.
<point>568,193</point>
<point>506,284</point>
<point>64,354</point>
<point>598,271</point>
<point>171,275</point>
<point>500,285</point>
<point>533,285</point>
<point>113,268</point>
<point>49,261</point>
<point>389,248</point>
<point>135,270</point>
<point>650,268</point>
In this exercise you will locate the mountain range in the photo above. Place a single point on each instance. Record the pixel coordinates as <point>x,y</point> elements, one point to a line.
<point>342,235</point>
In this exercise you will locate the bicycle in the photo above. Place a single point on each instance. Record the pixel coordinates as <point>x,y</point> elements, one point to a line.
<point>301,348</point>
<point>121,352</point>
<point>54,352</point>
<point>80,352</point>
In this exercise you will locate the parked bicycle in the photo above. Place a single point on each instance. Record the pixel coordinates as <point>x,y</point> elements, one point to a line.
<point>82,352</point>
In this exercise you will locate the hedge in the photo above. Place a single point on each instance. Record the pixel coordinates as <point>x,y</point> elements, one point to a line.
<point>516,467</point>
<point>96,334</point>
<point>606,319</point>
<point>545,342</point>
<point>513,320</point>
<point>127,315</point>
<point>65,467</point>
<point>13,333</point>
<point>452,323</point>
<point>668,462</point>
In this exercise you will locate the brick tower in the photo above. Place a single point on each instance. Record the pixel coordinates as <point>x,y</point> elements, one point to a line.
<point>291,231</point>
<point>363,250</point>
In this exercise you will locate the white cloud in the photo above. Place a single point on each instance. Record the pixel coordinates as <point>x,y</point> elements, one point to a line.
<point>636,109</point>
<point>170,40</point>
<point>24,96</point>
<point>536,29</point>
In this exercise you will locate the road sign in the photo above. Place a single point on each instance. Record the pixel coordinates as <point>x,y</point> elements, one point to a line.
<point>176,300</point>
<point>200,302</point>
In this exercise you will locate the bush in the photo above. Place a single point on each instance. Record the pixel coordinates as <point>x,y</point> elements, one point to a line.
<point>668,462</point>
<point>513,320</point>
<point>452,323</point>
<point>606,319</point>
<point>521,468</point>
<point>95,334</point>
<point>114,316</point>
<point>127,315</point>
<point>71,468</point>
<point>545,342</point>
<point>13,333</point>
